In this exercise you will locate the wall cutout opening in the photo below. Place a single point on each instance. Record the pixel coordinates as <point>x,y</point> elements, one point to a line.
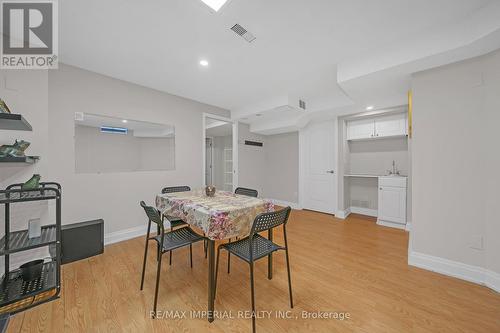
<point>106,145</point>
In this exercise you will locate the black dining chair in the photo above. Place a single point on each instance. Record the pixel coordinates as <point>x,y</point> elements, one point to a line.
<point>246,191</point>
<point>174,221</point>
<point>255,247</point>
<point>249,193</point>
<point>167,241</point>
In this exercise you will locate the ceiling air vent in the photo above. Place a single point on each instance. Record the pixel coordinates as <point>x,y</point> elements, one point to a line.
<point>302,104</point>
<point>248,36</point>
<point>114,130</point>
<point>253,143</point>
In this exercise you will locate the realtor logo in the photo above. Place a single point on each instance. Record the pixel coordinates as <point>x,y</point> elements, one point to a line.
<point>29,35</point>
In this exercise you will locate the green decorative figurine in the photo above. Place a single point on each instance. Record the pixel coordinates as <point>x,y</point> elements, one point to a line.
<point>15,150</point>
<point>32,183</point>
<point>3,107</point>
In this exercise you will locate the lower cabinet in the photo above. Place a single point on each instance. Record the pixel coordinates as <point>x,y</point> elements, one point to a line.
<point>392,201</point>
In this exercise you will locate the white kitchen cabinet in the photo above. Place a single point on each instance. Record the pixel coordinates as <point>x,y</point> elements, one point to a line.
<point>360,129</point>
<point>377,127</point>
<point>391,125</point>
<point>392,201</point>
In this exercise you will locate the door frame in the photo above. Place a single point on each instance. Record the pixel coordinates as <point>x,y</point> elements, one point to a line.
<point>212,157</point>
<point>235,146</point>
<point>302,156</point>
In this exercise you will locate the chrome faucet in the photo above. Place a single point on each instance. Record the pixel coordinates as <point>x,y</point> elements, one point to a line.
<point>394,171</point>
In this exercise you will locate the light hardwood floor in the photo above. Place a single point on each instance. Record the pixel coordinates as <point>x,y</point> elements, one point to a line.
<point>351,266</point>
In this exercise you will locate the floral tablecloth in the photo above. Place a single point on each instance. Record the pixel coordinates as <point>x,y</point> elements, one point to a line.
<point>225,215</point>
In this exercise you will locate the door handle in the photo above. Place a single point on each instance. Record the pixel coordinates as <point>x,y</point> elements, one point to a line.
<point>330,171</point>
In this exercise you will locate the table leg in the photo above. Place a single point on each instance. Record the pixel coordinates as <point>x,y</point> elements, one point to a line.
<point>270,257</point>
<point>211,278</point>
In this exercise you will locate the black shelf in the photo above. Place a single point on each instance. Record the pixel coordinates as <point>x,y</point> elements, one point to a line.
<point>12,196</point>
<point>19,241</point>
<point>24,159</point>
<point>15,122</point>
<point>15,293</point>
<point>13,288</point>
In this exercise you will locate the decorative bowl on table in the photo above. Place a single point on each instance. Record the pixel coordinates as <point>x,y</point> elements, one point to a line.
<point>210,190</point>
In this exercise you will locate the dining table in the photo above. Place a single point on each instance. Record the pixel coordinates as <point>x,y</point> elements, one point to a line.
<point>221,216</point>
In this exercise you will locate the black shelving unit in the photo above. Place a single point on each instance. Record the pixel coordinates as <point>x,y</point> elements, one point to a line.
<point>24,159</point>
<point>15,293</point>
<point>15,122</point>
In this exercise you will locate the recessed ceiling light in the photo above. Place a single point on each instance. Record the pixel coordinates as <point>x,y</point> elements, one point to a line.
<point>368,108</point>
<point>214,4</point>
<point>204,63</point>
<point>124,121</point>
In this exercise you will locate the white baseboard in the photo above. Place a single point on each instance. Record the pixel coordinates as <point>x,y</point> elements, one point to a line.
<point>492,280</point>
<point>408,226</point>
<point>343,214</point>
<point>126,234</point>
<point>294,205</point>
<point>455,269</point>
<point>363,211</point>
<point>391,224</point>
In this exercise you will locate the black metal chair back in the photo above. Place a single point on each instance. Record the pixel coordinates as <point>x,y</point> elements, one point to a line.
<point>246,191</point>
<point>153,216</point>
<point>266,221</point>
<point>172,189</point>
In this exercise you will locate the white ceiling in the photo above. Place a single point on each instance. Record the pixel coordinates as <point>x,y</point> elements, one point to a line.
<point>299,45</point>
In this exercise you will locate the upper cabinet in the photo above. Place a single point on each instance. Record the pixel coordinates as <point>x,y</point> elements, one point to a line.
<point>360,129</point>
<point>377,127</point>
<point>391,125</point>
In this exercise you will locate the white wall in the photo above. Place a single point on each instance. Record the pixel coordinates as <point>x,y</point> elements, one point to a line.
<point>156,153</point>
<point>344,167</point>
<point>97,152</point>
<point>25,92</point>
<point>455,165</point>
<point>282,167</point>
<point>115,196</point>
<point>375,156</point>
<point>273,169</point>
<point>251,160</point>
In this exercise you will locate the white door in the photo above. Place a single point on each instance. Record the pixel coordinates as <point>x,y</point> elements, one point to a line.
<point>360,129</point>
<point>391,125</point>
<point>392,204</point>
<point>318,174</point>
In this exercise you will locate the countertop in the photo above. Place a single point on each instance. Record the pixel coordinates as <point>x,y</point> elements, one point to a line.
<point>370,176</point>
